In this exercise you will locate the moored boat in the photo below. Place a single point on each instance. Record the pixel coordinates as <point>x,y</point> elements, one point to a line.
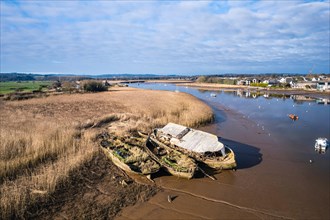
<point>321,144</point>
<point>174,162</point>
<point>202,146</point>
<point>130,158</point>
<point>293,117</point>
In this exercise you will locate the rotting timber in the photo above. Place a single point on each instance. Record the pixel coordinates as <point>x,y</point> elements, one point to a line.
<point>202,146</point>
<point>173,161</point>
<point>127,156</point>
<point>174,148</point>
<point>136,155</point>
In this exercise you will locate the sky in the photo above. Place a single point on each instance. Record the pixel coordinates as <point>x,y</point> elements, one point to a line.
<point>165,37</point>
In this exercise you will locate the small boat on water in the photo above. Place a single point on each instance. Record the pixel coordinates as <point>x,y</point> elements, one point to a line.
<point>293,117</point>
<point>172,161</point>
<point>128,157</point>
<point>321,144</point>
<point>213,95</point>
<point>202,146</point>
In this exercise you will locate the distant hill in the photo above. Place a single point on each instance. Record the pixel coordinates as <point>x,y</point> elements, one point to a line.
<point>73,77</point>
<point>16,77</point>
<point>38,77</point>
<point>130,76</point>
<point>69,77</point>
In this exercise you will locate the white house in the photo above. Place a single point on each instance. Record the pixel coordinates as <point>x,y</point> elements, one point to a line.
<point>322,86</point>
<point>282,80</point>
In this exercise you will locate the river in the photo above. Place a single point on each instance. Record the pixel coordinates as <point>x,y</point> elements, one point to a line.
<point>279,174</point>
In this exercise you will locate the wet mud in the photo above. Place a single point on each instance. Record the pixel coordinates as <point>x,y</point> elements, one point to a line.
<point>270,182</point>
<point>98,190</point>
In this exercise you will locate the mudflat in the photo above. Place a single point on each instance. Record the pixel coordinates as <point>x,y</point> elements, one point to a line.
<point>270,183</point>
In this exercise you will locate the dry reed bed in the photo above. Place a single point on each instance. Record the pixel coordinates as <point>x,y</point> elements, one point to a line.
<point>33,144</point>
<point>35,164</point>
<point>43,140</point>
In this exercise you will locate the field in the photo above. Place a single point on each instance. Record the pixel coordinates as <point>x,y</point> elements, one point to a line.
<point>24,86</point>
<point>48,149</point>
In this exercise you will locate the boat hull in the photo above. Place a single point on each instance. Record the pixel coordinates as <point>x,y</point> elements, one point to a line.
<point>167,168</point>
<point>226,162</point>
<point>130,158</point>
<point>118,162</point>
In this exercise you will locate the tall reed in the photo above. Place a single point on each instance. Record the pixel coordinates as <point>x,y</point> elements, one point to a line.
<point>25,190</point>
<point>43,140</point>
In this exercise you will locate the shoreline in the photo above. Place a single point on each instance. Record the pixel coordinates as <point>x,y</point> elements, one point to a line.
<point>205,202</point>
<point>208,86</point>
<point>263,172</point>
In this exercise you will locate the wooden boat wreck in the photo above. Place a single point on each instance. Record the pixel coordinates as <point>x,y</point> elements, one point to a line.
<point>130,158</point>
<point>173,161</point>
<point>202,146</point>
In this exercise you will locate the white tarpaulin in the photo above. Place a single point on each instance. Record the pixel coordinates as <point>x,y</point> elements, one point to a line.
<point>193,140</point>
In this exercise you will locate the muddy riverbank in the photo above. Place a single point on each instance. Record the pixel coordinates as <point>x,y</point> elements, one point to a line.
<point>270,182</point>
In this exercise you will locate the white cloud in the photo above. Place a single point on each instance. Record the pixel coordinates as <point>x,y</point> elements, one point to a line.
<point>164,37</point>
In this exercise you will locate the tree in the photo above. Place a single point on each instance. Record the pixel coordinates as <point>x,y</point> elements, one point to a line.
<point>201,79</point>
<point>94,86</point>
<point>57,84</point>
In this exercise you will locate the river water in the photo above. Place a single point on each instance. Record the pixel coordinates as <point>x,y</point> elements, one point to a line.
<point>270,113</point>
<point>279,171</point>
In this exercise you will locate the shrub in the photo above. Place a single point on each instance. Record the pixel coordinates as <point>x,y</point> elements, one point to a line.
<point>56,84</point>
<point>94,86</point>
<point>201,79</point>
<point>68,86</point>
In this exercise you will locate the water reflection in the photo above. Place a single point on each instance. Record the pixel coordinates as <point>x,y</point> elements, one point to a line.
<point>270,113</point>
<point>321,145</point>
<point>321,151</point>
<point>268,95</point>
<point>322,101</point>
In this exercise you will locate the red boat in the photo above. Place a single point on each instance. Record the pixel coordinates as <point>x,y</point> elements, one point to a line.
<point>293,117</point>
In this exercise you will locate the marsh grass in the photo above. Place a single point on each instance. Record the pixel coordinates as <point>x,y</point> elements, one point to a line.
<point>43,140</point>
<point>34,161</point>
<point>32,145</point>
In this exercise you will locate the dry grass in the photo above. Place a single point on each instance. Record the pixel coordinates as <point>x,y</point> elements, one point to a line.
<point>35,159</point>
<point>33,144</point>
<point>43,140</point>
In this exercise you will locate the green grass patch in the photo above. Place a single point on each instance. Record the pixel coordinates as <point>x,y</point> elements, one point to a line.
<point>24,86</point>
<point>259,84</point>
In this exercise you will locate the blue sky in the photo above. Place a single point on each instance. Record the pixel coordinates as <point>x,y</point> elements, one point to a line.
<point>165,37</point>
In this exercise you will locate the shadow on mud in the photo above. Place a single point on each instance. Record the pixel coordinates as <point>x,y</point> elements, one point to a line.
<point>246,155</point>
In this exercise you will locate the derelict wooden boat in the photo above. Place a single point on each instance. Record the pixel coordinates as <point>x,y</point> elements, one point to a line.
<point>203,147</point>
<point>172,161</point>
<point>130,158</point>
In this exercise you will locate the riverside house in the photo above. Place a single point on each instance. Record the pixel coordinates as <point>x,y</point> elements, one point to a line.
<point>322,86</point>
